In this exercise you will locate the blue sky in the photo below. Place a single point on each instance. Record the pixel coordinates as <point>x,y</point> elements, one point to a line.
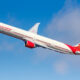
<point>59,20</point>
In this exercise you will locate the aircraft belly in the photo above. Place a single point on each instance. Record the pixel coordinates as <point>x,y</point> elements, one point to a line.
<point>53,45</point>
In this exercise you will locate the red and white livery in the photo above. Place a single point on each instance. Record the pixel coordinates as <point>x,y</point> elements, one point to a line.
<point>33,40</point>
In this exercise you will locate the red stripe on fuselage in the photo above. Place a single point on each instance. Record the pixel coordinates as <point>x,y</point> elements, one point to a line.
<point>5,28</point>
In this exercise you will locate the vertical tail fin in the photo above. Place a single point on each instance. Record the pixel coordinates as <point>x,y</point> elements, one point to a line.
<point>77,49</point>
<point>34,29</point>
<point>77,46</point>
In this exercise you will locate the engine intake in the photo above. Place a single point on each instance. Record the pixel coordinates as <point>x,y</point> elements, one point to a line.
<point>29,44</point>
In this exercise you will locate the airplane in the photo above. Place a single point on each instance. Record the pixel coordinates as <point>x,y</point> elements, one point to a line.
<point>33,40</point>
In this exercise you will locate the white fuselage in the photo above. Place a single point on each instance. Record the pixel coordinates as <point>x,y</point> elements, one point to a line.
<point>37,39</point>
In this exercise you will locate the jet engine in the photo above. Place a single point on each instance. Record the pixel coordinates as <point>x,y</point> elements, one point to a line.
<point>29,44</point>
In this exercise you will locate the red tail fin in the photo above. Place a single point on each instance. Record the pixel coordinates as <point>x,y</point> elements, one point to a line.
<point>77,47</point>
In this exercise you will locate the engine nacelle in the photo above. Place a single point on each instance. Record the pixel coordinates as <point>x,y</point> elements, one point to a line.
<point>29,44</point>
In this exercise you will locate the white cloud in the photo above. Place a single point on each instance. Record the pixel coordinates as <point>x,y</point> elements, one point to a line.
<point>66,21</point>
<point>61,67</point>
<point>65,26</point>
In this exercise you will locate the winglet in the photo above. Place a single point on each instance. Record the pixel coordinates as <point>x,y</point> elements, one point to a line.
<point>34,29</point>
